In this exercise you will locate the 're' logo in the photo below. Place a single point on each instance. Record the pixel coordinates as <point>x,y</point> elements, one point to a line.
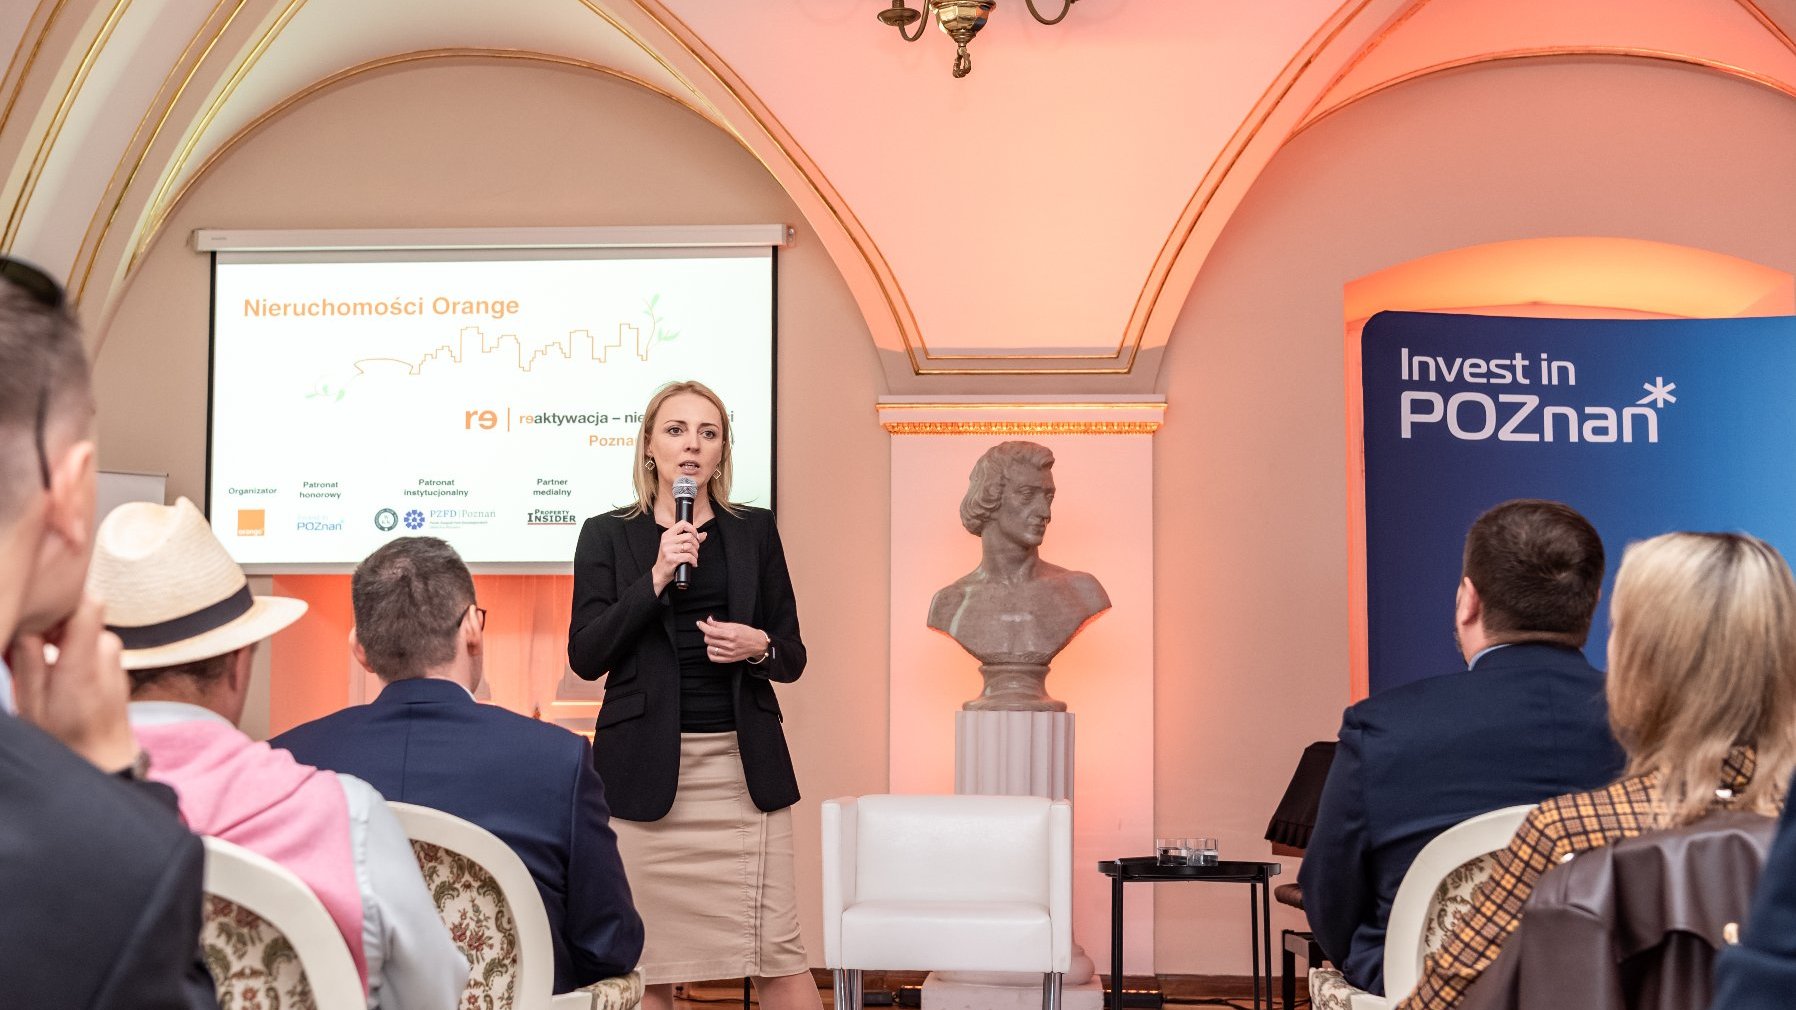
<point>386,520</point>
<point>252,522</point>
<point>414,520</point>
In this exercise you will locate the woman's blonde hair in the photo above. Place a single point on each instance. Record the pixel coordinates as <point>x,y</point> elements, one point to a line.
<point>643,478</point>
<point>1702,656</point>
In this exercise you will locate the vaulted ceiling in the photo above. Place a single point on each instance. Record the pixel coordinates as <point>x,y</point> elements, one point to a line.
<point>1044,216</point>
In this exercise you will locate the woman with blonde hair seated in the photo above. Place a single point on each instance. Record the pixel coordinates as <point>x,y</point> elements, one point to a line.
<point>1702,695</point>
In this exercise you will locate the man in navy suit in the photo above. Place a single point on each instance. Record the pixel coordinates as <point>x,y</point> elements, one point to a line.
<point>1525,720</point>
<point>425,740</point>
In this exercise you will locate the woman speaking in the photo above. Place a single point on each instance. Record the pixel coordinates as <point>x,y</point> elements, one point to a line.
<point>688,739</point>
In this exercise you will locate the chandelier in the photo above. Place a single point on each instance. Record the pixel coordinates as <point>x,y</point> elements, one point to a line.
<point>960,20</point>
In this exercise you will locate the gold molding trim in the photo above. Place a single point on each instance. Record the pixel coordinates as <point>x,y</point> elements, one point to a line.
<point>161,214</point>
<point>1382,36</point>
<point>1021,427</point>
<point>1553,52</point>
<point>57,119</point>
<point>93,240</point>
<point>1173,249</point>
<point>1769,23</point>
<point>898,308</point>
<point>1031,405</point>
<point>29,59</point>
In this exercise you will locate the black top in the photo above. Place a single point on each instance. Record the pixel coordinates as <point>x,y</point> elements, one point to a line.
<point>707,703</point>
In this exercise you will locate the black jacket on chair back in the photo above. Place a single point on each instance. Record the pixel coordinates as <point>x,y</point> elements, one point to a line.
<point>1634,925</point>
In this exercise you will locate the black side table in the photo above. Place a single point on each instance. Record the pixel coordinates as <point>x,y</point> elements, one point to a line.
<point>1143,869</point>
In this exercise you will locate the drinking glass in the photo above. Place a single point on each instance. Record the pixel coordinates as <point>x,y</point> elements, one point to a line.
<point>1171,851</point>
<point>1202,852</point>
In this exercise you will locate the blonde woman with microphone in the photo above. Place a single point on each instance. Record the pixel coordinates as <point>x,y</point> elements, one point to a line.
<point>691,621</point>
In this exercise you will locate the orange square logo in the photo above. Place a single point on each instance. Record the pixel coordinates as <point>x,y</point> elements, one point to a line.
<point>252,522</point>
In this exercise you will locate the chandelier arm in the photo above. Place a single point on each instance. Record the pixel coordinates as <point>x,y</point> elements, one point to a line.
<point>922,23</point>
<point>1065,9</point>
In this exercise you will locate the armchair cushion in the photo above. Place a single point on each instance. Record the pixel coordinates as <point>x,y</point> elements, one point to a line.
<point>948,935</point>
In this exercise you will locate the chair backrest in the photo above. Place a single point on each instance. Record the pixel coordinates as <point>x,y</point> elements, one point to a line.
<point>268,939</point>
<point>953,848</point>
<point>488,899</point>
<point>1437,890</point>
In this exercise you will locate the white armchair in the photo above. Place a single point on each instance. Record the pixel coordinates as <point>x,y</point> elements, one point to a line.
<point>947,883</point>
<point>266,937</point>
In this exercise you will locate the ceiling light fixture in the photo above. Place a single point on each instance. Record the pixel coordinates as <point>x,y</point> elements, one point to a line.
<point>959,19</point>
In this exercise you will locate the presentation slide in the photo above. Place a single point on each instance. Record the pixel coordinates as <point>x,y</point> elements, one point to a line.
<point>491,400</point>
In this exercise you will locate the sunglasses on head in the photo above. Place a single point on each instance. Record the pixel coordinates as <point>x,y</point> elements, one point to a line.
<point>46,292</point>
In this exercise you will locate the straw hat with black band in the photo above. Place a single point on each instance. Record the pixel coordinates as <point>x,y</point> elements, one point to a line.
<point>173,595</point>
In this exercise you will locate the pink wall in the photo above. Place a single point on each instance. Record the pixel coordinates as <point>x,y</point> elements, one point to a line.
<point>1251,592</point>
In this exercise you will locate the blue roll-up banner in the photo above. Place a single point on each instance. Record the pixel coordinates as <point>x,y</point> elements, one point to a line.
<point>1644,426</point>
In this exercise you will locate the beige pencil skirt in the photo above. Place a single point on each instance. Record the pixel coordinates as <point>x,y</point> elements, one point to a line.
<point>713,880</point>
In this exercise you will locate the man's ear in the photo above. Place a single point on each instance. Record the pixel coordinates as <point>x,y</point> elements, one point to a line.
<point>70,513</point>
<point>1468,606</point>
<point>242,666</point>
<point>473,634</point>
<point>356,650</point>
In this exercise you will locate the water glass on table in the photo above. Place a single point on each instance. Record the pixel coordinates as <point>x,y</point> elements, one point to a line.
<point>1202,852</point>
<point>1172,851</point>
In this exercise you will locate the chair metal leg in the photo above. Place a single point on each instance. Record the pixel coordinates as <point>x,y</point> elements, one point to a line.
<point>1050,990</point>
<point>847,986</point>
<point>1288,977</point>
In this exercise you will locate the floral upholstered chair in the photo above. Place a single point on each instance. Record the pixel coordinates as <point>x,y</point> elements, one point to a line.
<point>487,898</point>
<point>1435,892</point>
<point>268,940</point>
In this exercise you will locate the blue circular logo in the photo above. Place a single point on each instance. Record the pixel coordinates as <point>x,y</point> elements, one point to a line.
<point>414,520</point>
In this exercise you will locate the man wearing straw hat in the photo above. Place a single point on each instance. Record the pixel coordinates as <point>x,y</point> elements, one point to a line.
<point>99,881</point>
<point>189,626</point>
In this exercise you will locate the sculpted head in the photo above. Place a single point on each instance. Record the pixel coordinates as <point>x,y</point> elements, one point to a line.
<point>1010,493</point>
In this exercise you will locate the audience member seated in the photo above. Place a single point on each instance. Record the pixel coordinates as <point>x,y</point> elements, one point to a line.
<point>425,740</point>
<point>190,626</point>
<point>99,881</point>
<point>1526,720</point>
<point>1702,694</point>
<point>1760,973</point>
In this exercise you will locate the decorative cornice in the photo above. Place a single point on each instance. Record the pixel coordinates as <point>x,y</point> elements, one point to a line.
<point>1021,427</point>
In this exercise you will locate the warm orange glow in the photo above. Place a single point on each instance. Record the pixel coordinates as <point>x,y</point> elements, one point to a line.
<point>313,673</point>
<point>1581,277</point>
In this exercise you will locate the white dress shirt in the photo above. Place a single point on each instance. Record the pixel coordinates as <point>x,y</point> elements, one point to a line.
<point>412,962</point>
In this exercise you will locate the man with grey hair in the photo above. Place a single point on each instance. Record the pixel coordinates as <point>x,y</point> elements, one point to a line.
<point>101,880</point>
<point>425,740</point>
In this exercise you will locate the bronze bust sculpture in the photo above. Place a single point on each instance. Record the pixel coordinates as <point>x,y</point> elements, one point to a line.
<point>1014,612</point>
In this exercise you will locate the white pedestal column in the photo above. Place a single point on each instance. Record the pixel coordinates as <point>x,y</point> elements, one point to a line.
<point>1013,754</point>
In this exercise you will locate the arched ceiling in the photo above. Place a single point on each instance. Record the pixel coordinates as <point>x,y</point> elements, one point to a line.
<point>1033,226</point>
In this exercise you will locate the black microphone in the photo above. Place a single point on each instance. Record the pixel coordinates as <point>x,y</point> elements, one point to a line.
<point>685,489</point>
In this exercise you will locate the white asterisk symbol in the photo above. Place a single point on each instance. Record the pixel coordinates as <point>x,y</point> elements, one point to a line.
<point>1658,392</point>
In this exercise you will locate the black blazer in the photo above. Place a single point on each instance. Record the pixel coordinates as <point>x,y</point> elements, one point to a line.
<point>1528,722</point>
<point>623,632</point>
<point>1760,972</point>
<point>100,886</point>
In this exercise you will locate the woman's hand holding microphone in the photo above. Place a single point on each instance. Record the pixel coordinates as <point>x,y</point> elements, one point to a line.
<point>679,545</point>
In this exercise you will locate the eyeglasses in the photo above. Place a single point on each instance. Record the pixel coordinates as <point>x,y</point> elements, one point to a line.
<point>48,293</point>
<point>479,618</point>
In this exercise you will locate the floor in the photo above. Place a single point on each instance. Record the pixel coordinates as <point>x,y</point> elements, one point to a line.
<point>1177,990</point>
